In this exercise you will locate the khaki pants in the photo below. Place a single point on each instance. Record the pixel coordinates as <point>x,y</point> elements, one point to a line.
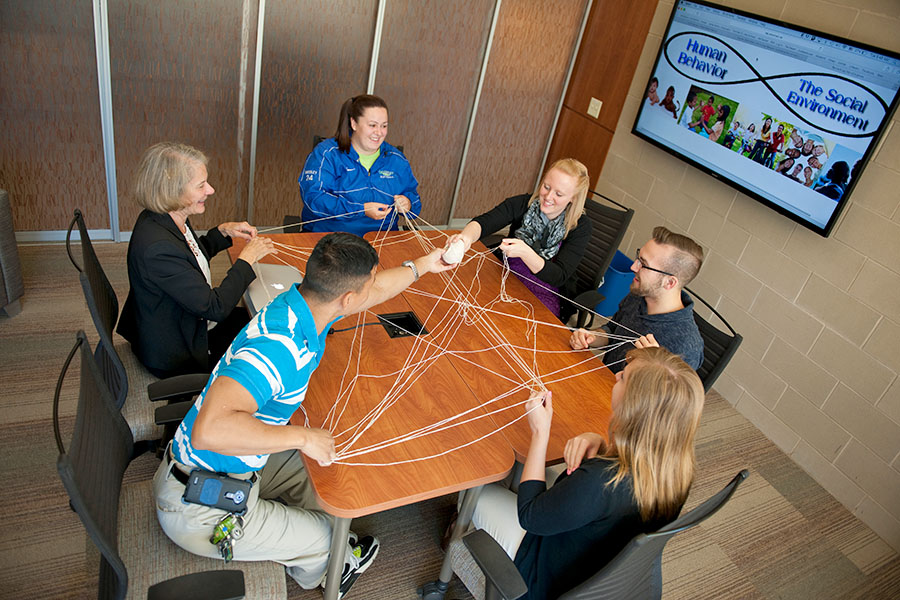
<point>497,512</point>
<point>283,522</point>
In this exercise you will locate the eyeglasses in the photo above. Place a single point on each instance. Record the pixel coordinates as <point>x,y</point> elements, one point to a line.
<point>644,265</point>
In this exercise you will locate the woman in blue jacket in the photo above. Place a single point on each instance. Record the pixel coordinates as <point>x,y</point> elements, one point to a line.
<point>633,479</point>
<point>356,182</point>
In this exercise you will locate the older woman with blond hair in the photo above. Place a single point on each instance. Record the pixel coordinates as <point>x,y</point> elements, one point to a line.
<point>548,232</point>
<point>176,321</point>
<point>634,479</point>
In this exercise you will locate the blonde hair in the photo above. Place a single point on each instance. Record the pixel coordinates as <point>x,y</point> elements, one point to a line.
<point>163,174</point>
<point>687,259</point>
<point>579,173</point>
<point>652,431</point>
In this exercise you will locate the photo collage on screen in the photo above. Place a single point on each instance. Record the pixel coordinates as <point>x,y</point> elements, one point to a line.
<point>807,158</point>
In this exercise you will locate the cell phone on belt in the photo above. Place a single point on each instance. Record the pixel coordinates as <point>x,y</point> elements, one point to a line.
<point>217,491</point>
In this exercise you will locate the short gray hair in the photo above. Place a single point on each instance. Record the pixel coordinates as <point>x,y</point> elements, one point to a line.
<point>163,174</point>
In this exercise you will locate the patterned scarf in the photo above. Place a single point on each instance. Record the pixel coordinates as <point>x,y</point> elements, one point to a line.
<point>544,238</point>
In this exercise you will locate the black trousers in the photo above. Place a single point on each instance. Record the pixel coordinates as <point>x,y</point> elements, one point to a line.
<point>221,336</point>
<point>218,340</point>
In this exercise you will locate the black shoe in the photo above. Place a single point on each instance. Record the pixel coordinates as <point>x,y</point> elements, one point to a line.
<point>364,552</point>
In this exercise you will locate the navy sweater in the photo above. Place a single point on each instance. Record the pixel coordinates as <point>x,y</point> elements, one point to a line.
<point>575,527</point>
<point>675,331</point>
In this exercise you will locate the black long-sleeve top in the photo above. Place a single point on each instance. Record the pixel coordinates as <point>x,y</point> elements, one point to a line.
<point>575,527</point>
<point>558,270</point>
<point>165,315</point>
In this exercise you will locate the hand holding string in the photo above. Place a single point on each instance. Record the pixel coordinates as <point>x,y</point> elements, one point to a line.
<point>256,249</point>
<point>376,210</point>
<point>242,230</point>
<point>402,204</point>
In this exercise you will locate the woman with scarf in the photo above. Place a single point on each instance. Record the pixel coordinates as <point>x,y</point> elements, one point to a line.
<point>548,233</point>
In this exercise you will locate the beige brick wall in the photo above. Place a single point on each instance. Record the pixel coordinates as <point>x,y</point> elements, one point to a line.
<point>818,370</point>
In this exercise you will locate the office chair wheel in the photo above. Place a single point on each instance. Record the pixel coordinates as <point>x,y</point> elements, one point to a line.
<point>433,590</point>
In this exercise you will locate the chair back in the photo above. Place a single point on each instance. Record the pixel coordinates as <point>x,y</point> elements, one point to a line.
<point>77,219</point>
<point>636,571</point>
<point>91,469</point>
<point>104,308</point>
<point>718,346</point>
<point>608,226</point>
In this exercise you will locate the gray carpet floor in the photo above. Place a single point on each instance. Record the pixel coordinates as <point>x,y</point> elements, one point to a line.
<point>781,536</point>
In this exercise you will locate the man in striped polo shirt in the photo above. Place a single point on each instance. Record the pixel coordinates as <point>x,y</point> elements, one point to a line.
<point>240,424</point>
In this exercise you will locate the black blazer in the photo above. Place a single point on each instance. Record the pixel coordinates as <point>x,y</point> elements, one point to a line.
<point>165,315</point>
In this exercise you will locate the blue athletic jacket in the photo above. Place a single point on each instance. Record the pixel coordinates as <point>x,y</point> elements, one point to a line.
<point>333,183</point>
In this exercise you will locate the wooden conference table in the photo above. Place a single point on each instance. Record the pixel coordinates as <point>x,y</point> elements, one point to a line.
<point>475,368</point>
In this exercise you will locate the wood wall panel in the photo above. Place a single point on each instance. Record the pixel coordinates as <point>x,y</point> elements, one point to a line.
<point>428,66</point>
<point>176,75</point>
<point>579,136</point>
<point>533,44</point>
<point>316,54</point>
<point>51,150</point>
<point>613,39</point>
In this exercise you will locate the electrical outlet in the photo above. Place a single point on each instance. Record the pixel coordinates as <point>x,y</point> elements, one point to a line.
<point>594,108</point>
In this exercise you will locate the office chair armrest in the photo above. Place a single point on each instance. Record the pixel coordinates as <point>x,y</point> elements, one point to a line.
<point>172,414</point>
<point>206,585</point>
<point>590,299</point>
<point>496,565</point>
<point>178,387</point>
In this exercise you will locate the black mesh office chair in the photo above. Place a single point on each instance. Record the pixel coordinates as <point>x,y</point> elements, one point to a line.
<point>92,470</point>
<point>635,572</point>
<point>609,225</point>
<point>718,346</point>
<point>117,362</point>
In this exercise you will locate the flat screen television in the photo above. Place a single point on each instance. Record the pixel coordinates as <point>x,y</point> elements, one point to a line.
<point>787,115</point>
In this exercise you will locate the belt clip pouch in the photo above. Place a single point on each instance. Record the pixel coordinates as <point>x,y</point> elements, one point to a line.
<point>217,491</point>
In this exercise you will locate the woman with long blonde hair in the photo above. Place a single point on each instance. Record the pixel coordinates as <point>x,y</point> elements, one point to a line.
<point>632,480</point>
<point>548,232</point>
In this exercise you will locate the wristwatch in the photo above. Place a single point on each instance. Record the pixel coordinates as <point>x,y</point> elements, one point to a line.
<point>412,265</point>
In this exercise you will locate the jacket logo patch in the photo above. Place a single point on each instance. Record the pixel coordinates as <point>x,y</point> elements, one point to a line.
<point>386,174</point>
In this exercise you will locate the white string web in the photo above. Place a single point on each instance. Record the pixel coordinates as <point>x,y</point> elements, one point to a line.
<point>460,314</point>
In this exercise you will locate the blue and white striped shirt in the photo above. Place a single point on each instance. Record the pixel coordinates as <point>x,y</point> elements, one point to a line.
<point>273,357</point>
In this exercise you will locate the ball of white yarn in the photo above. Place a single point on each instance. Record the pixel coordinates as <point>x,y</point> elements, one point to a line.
<point>454,253</point>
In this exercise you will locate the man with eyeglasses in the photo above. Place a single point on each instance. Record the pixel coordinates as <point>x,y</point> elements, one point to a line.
<point>656,309</point>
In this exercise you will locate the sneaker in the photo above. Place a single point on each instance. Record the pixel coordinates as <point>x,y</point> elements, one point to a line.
<point>352,539</point>
<point>364,552</point>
